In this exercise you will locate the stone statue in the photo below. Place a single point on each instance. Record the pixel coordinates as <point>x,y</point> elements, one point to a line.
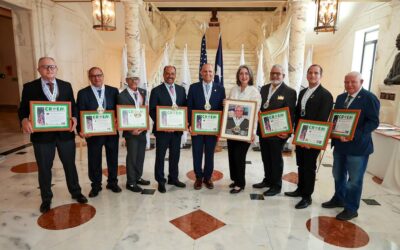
<point>394,74</point>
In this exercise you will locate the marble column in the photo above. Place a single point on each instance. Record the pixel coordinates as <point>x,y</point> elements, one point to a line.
<point>132,35</point>
<point>43,28</point>
<point>297,41</point>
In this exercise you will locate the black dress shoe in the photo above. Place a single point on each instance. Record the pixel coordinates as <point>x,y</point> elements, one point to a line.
<point>305,202</point>
<point>94,192</point>
<point>114,187</point>
<point>80,198</point>
<point>346,215</point>
<point>134,188</point>
<point>45,206</point>
<point>332,204</point>
<point>261,185</point>
<point>295,193</point>
<point>198,183</point>
<point>161,188</point>
<point>272,192</point>
<point>143,182</point>
<point>177,183</point>
<point>232,185</point>
<point>236,190</point>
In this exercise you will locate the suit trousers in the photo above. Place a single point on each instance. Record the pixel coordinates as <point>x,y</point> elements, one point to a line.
<point>271,154</point>
<point>237,151</point>
<point>206,144</point>
<point>44,154</point>
<point>164,141</point>
<point>136,150</point>
<point>95,149</point>
<point>307,165</point>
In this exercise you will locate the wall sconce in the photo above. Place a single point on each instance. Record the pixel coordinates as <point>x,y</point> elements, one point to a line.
<point>104,15</point>
<point>327,13</point>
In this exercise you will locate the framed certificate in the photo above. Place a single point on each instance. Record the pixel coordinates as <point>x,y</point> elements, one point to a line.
<point>273,122</point>
<point>314,134</point>
<point>93,123</point>
<point>50,116</point>
<point>129,117</point>
<point>344,122</point>
<point>238,120</point>
<point>171,119</point>
<point>206,122</point>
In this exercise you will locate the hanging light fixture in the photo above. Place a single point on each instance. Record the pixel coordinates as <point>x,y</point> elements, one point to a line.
<point>327,13</point>
<point>104,15</point>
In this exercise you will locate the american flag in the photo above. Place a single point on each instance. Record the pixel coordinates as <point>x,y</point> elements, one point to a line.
<point>203,55</point>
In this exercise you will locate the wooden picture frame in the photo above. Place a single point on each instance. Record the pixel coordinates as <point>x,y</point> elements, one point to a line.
<point>104,123</point>
<point>346,121</point>
<point>314,134</point>
<point>208,117</point>
<point>46,116</point>
<point>171,119</point>
<point>278,119</point>
<point>129,113</point>
<point>234,128</point>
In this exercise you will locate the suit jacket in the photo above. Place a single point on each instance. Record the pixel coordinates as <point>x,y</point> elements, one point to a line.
<point>32,91</point>
<point>244,127</point>
<point>124,98</point>
<point>368,121</point>
<point>318,106</point>
<point>287,98</point>
<point>87,100</point>
<point>196,99</point>
<point>160,97</point>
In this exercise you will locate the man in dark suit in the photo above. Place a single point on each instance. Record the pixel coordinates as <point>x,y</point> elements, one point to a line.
<point>100,97</point>
<point>350,158</point>
<point>314,103</point>
<point>274,96</point>
<point>204,96</point>
<point>136,138</point>
<point>237,125</point>
<point>48,88</point>
<point>167,94</point>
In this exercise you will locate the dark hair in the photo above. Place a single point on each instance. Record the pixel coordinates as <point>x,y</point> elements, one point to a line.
<point>316,65</point>
<point>169,66</point>
<point>93,68</point>
<point>251,80</point>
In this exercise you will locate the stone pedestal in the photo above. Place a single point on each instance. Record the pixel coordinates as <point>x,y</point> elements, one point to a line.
<point>297,41</point>
<point>132,35</point>
<point>389,96</point>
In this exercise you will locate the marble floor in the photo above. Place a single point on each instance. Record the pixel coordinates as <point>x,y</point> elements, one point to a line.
<point>185,218</point>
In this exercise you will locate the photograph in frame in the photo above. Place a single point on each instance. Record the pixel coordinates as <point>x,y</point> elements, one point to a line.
<point>94,123</point>
<point>274,122</point>
<point>344,122</point>
<point>206,122</point>
<point>314,134</point>
<point>129,117</point>
<point>238,120</point>
<point>171,119</point>
<point>50,116</point>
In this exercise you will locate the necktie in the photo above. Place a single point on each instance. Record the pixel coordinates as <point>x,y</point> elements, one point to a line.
<point>51,86</point>
<point>347,102</point>
<point>99,91</point>
<point>135,95</point>
<point>171,89</point>
<point>207,88</point>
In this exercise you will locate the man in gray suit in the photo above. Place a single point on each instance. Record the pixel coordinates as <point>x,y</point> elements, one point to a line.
<point>136,138</point>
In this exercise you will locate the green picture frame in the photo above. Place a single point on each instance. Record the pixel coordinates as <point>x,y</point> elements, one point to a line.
<point>48,116</point>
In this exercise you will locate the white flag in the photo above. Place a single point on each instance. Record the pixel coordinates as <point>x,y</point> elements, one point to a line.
<point>166,56</point>
<point>143,71</point>
<point>285,64</point>
<point>260,69</point>
<point>124,67</point>
<point>307,63</point>
<point>242,62</point>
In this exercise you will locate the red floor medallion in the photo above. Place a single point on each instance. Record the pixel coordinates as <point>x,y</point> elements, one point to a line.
<point>377,180</point>
<point>121,170</point>
<point>197,224</point>
<point>216,175</point>
<point>291,177</point>
<point>28,167</point>
<point>66,216</point>
<point>336,232</point>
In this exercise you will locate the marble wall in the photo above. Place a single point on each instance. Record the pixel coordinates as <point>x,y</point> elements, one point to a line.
<point>336,58</point>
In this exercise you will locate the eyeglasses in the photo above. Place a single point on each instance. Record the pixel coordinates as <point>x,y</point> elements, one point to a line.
<point>94,76</point>
<point>275,73</point>
<point>49,67</point>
